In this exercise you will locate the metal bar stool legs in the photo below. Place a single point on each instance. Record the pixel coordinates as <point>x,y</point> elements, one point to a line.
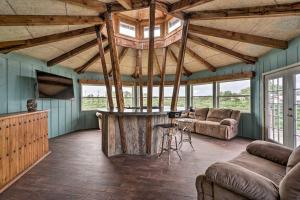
<point>188,139</point>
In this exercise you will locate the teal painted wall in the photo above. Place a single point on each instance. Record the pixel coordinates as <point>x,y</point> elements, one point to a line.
<point>17,80</point>
<point>251,125</point>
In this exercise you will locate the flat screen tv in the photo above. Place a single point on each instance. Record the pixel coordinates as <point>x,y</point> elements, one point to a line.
<point>54,86</point>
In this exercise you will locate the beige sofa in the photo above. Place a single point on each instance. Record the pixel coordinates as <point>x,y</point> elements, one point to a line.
<point>265,171</point>
<point>219,123</point>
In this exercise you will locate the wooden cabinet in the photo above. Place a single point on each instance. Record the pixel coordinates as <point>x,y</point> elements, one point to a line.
<point>23,142</point>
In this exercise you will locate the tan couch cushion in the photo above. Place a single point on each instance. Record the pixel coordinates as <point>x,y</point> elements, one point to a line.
<point>294,159</point>
<point>191,115</point>
<point>236,114</point>
<point>289,187</point>
<point>228,122</point>
<point>216,115</point>
<point>211,128</point>
<point>271,151</point>
<point>201,113</point>
<point>242,181</point>
<point>266,168</point>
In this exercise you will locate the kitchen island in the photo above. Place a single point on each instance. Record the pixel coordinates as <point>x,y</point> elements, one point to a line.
<point>134,129</point>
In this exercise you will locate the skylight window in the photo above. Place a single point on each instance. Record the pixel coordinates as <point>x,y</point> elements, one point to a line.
<point>156,31</point>
<point>173,24</point>
<point>127,29</point>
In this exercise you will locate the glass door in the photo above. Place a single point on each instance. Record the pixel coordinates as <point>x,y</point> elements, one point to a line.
<point>282,107</point>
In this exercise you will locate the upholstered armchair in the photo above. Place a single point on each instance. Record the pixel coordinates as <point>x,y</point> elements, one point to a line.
<point>264,171</point>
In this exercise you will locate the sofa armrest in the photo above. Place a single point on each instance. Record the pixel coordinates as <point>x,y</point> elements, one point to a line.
<point>242,181</point>
<point>229,122</point>
<point>270,151</point>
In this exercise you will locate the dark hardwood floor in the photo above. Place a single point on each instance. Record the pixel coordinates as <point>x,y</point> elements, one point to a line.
<point>77,169</point>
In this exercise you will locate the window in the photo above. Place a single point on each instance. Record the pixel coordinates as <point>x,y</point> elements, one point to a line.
<point>202,96</point>
<point>93,97</point>
<point>155,96</point>
<point>168,93</point>
<point>127,29</point>
<point>156,31</point>
<point>127,94</point>
<point>234,95</point>
<point>173,24</point>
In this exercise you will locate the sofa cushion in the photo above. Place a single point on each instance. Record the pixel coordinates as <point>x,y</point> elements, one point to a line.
<point>191,115</point>
<point>271,151</point>
<point>228,122</point>
<point>242,181</point>
<point>289,187</point>
<point>201,113</point>
<point>216,115</point>
<point>236,114</point>
<point>266,168</point>
<point>294,159</point>
<point>214,129</point>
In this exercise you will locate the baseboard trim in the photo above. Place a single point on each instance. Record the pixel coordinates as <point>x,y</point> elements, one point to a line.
<point>23,173</point>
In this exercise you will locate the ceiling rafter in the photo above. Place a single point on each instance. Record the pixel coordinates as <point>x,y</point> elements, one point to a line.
<point>186,72</point>
<point>72,53</point>
<point>6,47</point>
<point>193,54</point>
<point>46,20</point>
<point>91,61</point>
<point>245,58</point>
<point>242,37</point>
<point>157,64</point>
<point>250,12</point>
<point>91,4</point>
<point>185,4</point>
<point>126,4</point>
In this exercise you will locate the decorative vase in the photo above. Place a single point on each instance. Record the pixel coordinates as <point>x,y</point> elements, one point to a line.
<point>31,105</point>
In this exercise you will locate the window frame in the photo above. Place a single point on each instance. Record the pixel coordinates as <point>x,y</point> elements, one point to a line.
<point>128,24</point>
<point>212,90</point>
<point>81,97</point>
<point>230,96</point>
<point>169,21</point>
<point>156,25</point>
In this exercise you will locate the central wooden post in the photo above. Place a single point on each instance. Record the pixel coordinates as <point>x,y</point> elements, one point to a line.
<point>104,67</point>
<point>180,62</point>
<point>139,66</point>
<point>162,79</point>
<point>150,74</point>
<point>116,75</point>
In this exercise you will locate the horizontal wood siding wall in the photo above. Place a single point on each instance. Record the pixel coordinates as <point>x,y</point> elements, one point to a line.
<point>17,84</point>
<point>250,125</point>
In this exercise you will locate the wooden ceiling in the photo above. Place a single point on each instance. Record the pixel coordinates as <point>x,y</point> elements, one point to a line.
<point>220,32</point>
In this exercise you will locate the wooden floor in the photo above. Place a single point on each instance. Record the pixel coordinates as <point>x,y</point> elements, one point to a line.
<point>77,169</point>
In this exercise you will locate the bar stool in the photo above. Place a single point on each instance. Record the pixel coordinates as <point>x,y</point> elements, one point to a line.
<point>188,131</point>
<point>169,132</point>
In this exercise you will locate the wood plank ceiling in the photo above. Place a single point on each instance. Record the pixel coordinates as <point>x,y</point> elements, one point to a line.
<point>220,32</point>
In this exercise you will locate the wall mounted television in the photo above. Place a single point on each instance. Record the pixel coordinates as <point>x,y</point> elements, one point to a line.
<point>54,86</point>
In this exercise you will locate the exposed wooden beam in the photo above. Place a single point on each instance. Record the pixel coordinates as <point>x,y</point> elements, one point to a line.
<point>9,46</point>
<point>242,57</point>
<point>72,53</point>
<point>91,61</point>
<point>165,7</point>
<point>46,20</point>
<point>185,4</point>
<point>90,4</point>
<point>180,62</point>
<point>150,75</point>
<point>104,68</point>
<point>157,64</point>
<point>116,76</point>
<point>122,54</point>
<point>126,4</point>
<point>135,4</point>
<point>162,79</point>
<point>223,78</point>
<point>192,53</point>
<point>242,37</point>
<point>186,72</point>
<point>250,12</point>
<point>139,64</point>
